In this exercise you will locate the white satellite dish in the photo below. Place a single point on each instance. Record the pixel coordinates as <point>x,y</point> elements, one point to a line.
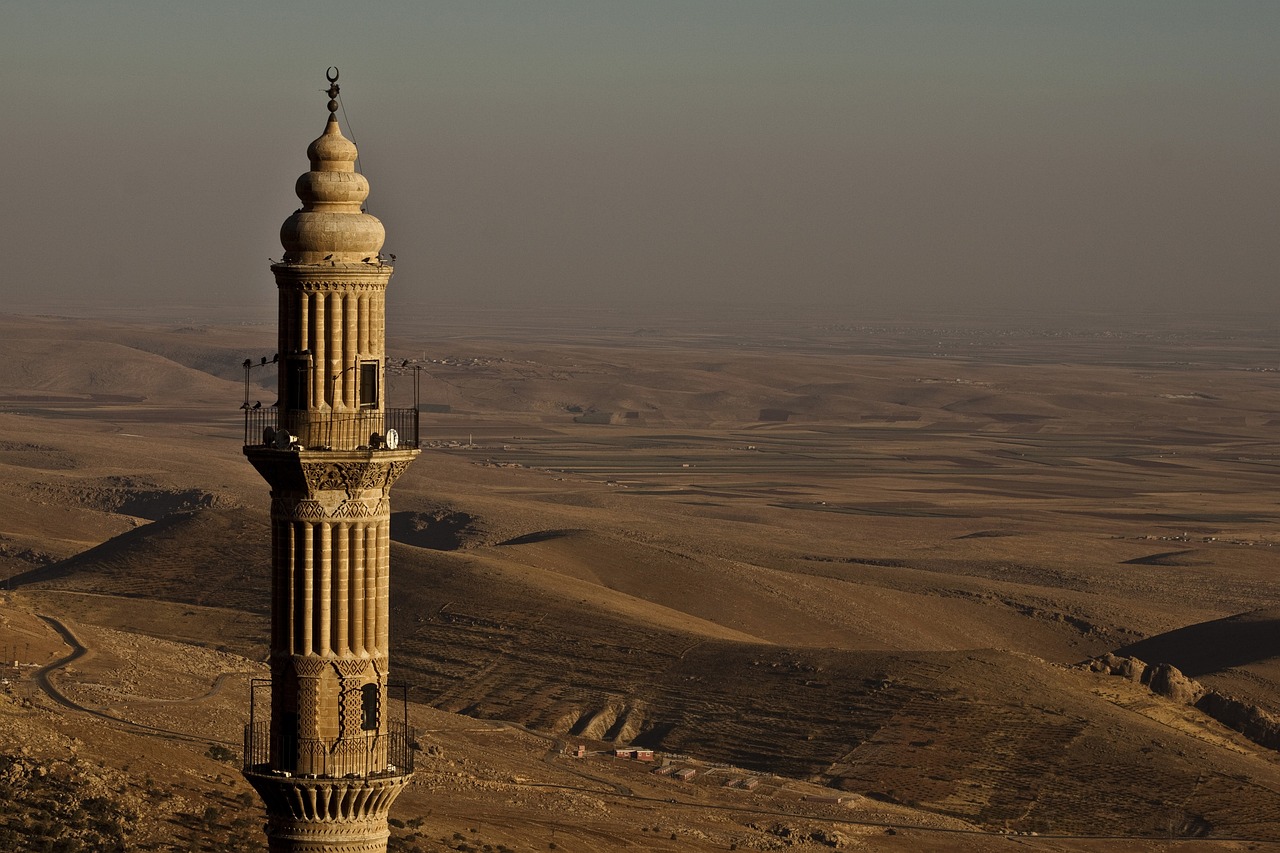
<point>283,440</point>
<point>393,439</point>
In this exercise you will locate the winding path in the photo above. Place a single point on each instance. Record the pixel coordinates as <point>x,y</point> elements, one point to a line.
<point>78,651</point>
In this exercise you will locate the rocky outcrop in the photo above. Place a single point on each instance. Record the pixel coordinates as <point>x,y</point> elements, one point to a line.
<point>1166,680</point>
<point>784,835</point>
<point>60,805</point>
<point>1130,668</point>
<point>1251,721</point>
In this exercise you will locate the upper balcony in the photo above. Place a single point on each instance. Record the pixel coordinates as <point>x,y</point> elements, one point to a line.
<point>367,429</point>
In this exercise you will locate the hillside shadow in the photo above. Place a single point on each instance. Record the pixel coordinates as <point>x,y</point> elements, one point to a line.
<point>1213,646</point>
<point>138,538</point>
<point>214,556</point>
<point>1167,558</point>
<point>442,530</point>
<point>539,536</point>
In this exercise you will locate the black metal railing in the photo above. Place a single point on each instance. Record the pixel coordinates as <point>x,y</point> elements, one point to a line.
<point>363,430</point>
<point>372,754</point>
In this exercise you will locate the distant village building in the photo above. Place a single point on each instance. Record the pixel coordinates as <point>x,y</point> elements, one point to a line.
<point>634,754</point>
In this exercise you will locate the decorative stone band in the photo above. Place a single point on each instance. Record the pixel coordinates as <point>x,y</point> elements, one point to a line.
<point>322,841</point>
<point>331,285</point>
<point>361,277</point>
<point>352,667</point>
<point>293,474</point>
<point>325,801</point>
<point>311,666</point>
<point>352,476</point>
<point>361,509</point>
<point>283,509</point>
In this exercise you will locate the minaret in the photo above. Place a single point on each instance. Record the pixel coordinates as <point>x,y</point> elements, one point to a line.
<point>335,753</point>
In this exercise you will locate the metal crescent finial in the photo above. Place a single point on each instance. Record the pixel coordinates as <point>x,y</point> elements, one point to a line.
<point>331,74</point>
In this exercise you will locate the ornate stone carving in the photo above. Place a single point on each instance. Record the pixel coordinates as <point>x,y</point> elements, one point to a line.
<point>308,712</point>
<point>351,753</point>
<point>350,709</point>
<point>351,667</point>
<point>331,476</point>
<point>375,476</point>
<point>394,470</point>
<point>323,804</point>
<point>350,477</point>
<point>309,667</point>
<point>335,286</point>
<point>310,510</point>
<point>354,509</point>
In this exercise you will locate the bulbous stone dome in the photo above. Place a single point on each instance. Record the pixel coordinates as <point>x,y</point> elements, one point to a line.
<point>330,226</point>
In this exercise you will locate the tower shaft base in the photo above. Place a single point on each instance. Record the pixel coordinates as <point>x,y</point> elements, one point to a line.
<point>306,815</point>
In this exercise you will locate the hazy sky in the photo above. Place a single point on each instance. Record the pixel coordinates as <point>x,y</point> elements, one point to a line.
<point>865,156</point>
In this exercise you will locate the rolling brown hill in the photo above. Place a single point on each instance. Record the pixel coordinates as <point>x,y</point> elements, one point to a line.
<point>884,594</point>
<point>486,635</point>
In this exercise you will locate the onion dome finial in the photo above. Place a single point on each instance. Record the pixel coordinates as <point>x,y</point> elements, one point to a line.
<point>331,225</point>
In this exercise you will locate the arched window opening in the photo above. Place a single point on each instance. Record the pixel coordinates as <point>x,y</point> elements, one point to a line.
<point>369,385</point>
<point>369,703</point>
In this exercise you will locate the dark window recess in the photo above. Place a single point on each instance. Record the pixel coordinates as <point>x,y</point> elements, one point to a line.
<point>288,741</point>
<point>296,394</point>
<point>369,384</point>
<point>369,703</point>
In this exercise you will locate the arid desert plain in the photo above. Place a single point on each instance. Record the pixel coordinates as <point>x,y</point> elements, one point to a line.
<point>886,587</point>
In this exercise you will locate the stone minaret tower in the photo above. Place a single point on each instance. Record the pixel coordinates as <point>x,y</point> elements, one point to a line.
<point>336,751</point>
